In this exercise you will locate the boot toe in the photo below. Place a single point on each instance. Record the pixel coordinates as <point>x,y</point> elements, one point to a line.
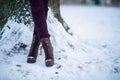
<point>49,62</point>
<point>31,60</point>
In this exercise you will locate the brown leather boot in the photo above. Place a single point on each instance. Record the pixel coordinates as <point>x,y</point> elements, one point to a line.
<point>48,49</point>
<point>33,53</point>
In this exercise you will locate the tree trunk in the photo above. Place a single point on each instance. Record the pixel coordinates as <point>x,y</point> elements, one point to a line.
<point>19,9</point>
<point>97,2</point>
<point>115,2</point>
<point>55,6</point>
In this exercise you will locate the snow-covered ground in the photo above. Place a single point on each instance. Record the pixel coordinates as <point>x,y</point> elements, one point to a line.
<point>92,53</point>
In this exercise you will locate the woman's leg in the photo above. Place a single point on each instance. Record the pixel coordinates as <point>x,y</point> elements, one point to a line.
<point>46,7</point>
<point>39,9</point>
<point>46,43</point>
<point>40,29</point>
<point>39,13</point>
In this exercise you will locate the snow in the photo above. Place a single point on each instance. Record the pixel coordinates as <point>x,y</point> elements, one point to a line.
<point>92,53</point>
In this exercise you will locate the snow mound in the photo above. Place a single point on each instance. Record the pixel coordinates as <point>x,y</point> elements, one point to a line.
<point>75,58</point>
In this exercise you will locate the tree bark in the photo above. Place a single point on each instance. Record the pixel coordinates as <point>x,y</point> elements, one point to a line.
<point>55,6</point>
<point>19,9</point>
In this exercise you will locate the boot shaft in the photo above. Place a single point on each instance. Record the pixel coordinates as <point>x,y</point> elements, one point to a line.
<point>34,46</point>
<point>48,49</point>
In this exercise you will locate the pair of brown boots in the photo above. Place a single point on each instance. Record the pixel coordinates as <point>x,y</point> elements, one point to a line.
<point>48,49</point>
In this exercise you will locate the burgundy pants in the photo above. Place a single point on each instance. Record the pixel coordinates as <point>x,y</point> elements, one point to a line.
<point>39,9</point>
